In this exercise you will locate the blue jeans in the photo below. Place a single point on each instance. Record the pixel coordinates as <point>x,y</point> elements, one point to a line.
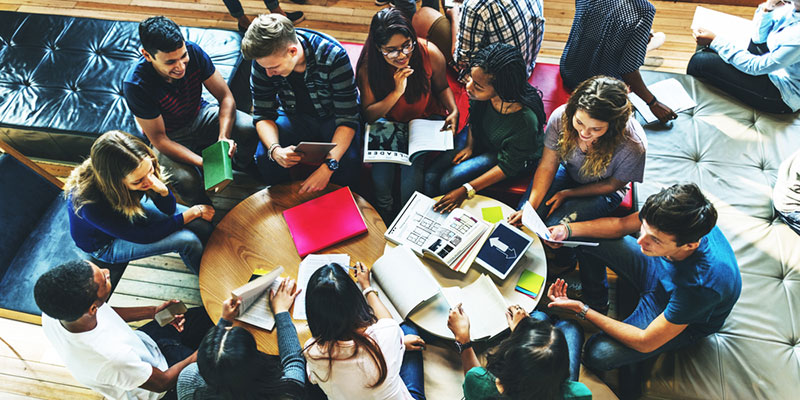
<point>443,176</point>
<point>235,7</point>
<point>174,345</point>
<point>573,209</point>
<point>411,180</point>
<point>411,369</point>
<point>603,353</point>
<point>573,333</point>
<point>296,128</point>
<point>187,242</point>
<point>792,219</point>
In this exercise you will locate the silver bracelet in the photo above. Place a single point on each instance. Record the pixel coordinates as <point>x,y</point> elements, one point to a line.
<point>369,289</point>
<point>271,148</point>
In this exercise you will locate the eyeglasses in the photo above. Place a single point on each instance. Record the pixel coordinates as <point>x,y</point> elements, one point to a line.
<point>407,48</point>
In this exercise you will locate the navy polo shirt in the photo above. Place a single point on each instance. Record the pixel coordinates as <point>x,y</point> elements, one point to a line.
<point>149,95</point>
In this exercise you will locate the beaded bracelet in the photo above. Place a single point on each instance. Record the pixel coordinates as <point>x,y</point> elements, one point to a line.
<point>569,230</point>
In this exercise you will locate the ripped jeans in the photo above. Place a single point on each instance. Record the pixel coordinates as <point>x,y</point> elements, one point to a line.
<point>573,209</point>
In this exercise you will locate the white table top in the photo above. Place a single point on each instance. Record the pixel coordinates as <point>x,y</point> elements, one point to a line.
<point>433,316</point>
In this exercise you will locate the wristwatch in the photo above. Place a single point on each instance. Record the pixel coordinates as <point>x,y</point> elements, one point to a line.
<point>332,164</point>
<point>470,190</point>
<point>584,310</point>
<point>462,346</point>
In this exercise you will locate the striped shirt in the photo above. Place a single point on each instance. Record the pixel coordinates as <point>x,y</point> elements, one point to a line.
<point>608,37</point>
<point>328,76</point>
<point>517,22</point>
<point>149,95</point>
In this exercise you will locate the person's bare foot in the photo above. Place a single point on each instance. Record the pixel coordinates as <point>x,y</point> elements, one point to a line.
<point>656,40</point>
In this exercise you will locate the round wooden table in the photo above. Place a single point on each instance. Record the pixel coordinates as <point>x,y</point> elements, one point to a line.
<point>255,235</point>
<point>433,316</point>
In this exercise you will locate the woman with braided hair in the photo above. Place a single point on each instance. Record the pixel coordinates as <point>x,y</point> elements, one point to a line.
<point>504,136</point>
<point>593,148</point>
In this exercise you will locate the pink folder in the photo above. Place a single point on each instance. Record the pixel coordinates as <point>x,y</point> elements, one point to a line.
<point>324,221</point>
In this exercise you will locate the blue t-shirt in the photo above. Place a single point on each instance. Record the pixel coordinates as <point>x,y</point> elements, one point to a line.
<point>703,288</point>
<point>149,95</point>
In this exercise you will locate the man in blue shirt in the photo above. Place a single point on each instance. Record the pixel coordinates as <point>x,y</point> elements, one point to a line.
<point>303,90</point>
<point>681,264</point>
<point>164,92</point>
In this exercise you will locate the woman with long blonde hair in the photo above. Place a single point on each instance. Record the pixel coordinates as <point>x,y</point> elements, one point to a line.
<point>592,148</point>
<point>120,209</point>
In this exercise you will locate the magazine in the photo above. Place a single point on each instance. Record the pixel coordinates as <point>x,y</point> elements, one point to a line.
<point>400,143</point>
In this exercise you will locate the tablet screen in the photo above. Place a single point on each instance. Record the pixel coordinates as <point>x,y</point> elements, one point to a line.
<point>504,247</point>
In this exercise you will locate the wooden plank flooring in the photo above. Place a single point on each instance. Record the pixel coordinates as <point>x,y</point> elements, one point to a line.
<point>29,368</point>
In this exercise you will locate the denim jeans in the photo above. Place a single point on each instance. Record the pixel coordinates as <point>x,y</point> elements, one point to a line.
<point>573,209</point>
<point>443,176</point>
<point>756,91</point>
<point>296,128</point>
<point>573,333</point>
<point>235,7</point>
<point>411,179</point>
<point>411,369</point>
<point>187,242</point>
<point>792,219</point>
<point>603,353</point>
<point>187,180</point>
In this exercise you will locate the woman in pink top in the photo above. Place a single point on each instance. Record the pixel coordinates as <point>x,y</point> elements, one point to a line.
<point>357,350</point>
<point>401,78</point>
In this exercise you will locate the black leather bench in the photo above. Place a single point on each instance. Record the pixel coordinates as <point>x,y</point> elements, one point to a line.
<point>61,79</point>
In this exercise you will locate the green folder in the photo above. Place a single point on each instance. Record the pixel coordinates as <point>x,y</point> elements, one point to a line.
<point>217,167</point>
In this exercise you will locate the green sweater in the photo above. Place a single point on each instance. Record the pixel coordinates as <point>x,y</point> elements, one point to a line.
<point>479,385</point>
<point>517,138</point>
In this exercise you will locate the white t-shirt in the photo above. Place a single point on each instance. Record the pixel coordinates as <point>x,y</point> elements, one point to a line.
<point>111,359</point>
<point>350,378</point>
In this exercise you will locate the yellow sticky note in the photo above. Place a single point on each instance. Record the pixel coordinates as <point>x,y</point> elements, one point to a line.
<point>530,282</point>
<point>492,214</point>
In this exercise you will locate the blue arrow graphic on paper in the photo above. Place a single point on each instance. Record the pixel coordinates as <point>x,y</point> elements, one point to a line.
<point>502,247</point>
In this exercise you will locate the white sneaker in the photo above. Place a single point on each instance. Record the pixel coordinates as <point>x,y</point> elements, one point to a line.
<point>656,40</point>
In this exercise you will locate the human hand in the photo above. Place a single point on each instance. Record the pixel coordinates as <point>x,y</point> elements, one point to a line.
<point>557,293</point>
<point>158,186</point>
<point>413,343</point>
<point>515,218</point>
<point>514,314</point>
<point>662,112</point>
<point>458,323</point>
<point>556,200</point>
<point>282,299</point>
<point>318,180</point>
<point>451,200</point>
<point>230,308</point>
<point>176,323</point>
<point>557,232</point>
<point>463,154</point>
<point>401,79</point>
<point>703,36</point>
<point>286,156</point>
<point>451,122</point>
<point>232,149</point>
<point>206,211</point>
<point>362,275</point>
<point>770,5</point>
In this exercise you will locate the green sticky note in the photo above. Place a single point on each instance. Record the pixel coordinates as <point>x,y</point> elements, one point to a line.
<point>492,214</point>
<point>530,282</point>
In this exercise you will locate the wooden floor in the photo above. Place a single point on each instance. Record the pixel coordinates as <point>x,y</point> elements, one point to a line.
<point>29,368</point>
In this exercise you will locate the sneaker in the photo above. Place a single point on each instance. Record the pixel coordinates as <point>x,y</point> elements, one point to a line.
<point>381,2</point>
<point>296,17</point>
<point>656,40</point>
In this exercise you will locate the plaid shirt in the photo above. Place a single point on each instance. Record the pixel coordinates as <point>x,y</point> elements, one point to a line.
<point>329,78</point>
<point>516,22</point>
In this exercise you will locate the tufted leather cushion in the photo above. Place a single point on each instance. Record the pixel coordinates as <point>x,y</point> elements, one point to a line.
<point>61,79</point>
<point>732,152</point>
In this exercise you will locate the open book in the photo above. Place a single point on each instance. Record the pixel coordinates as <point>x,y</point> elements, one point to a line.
<point>452,239</point>
<point>669,92</point>
<point>255,309</point>
<point>532,221</point>
<point>404,280</point>
<point>483,304</point>
<point>397,142</point>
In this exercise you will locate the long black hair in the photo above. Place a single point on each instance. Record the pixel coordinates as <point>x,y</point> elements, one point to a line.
<point>233,368</point>
<point>336,310</point>
<point>385,24</point>
<point>508,75</point>
<point>532,363</point>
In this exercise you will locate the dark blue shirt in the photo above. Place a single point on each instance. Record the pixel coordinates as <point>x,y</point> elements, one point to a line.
<point>149,95</point>
<point>97,224</point>
<point>703,288</point>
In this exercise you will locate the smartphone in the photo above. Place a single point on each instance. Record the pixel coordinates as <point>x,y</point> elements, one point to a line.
<point>167,315</point>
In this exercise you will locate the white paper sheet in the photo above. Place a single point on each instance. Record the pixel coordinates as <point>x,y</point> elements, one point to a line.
<point>483,304</point>
<point>533,222</point>
<point>736,29</point>
<point>405,280</point>
<point>307,267</point>
<point>669,92</point>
